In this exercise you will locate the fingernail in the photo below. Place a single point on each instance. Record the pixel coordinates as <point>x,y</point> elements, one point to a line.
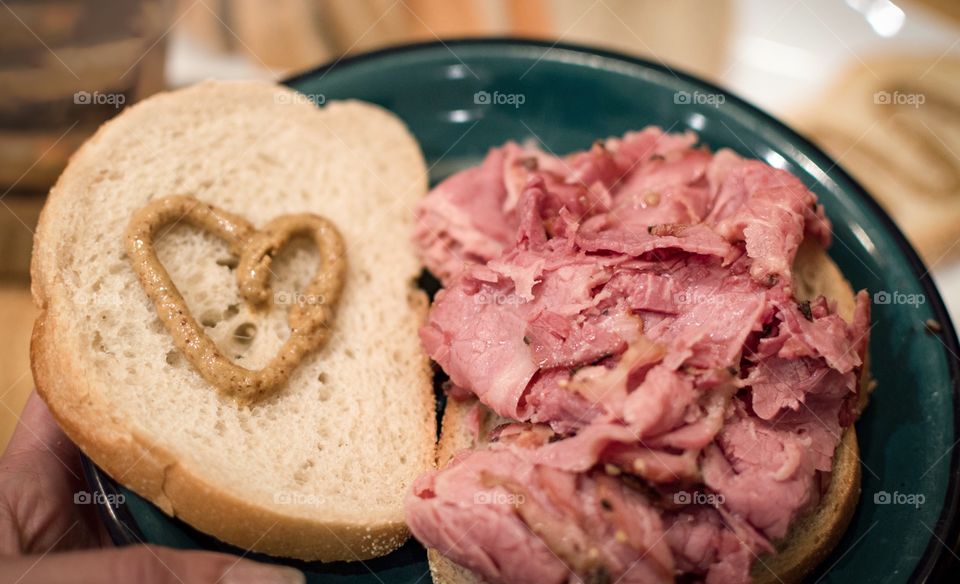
<point>255,573</point>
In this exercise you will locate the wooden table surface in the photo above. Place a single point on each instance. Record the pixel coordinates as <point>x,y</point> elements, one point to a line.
<point>16,314</point>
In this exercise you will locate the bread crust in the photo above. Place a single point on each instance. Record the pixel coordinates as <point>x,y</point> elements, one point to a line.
<point>146,467</point>
<point>454,437</point>
<point>153,473</point>
<point>812,537</point>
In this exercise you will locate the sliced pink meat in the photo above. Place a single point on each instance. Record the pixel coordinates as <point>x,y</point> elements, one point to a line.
<point>769,219</point>
<point>711,333</point>
<point>480,347</point>
<point>705,545</point>
<point>629,308</point>
<point>511,520</point>
<point>606,234</point>
<point>779,384</point>
<point>454,226</point>
<point>824,334</point>
<point>764,472</point>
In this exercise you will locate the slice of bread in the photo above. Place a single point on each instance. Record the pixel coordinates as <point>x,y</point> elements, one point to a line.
<point>319,470</point>
<point>811,538</point>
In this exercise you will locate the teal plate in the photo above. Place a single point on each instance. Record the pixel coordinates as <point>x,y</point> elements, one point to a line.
<point>462,97</point>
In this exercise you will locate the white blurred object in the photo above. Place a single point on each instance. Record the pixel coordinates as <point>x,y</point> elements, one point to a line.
<point>190,62</point>
<point>785,53</point>
<point>884,16</point>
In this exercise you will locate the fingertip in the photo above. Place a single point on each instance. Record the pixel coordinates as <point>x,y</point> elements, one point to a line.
<point>249,572</point>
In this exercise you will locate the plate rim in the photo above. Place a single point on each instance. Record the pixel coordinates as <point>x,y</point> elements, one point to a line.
<point>937,559</point>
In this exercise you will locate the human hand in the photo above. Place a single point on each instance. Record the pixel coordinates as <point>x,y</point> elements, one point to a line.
<point>46,537</point>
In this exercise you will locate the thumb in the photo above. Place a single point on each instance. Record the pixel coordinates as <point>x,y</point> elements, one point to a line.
<point>143,564</point>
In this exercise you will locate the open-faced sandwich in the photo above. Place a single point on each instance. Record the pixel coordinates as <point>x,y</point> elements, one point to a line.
<point>228,318</point>
<point>654,369</point>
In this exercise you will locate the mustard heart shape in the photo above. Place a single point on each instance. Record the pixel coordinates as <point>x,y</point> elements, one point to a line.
<point>309,318</point>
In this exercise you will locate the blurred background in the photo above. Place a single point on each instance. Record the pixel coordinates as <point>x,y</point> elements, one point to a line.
<point>875,82</point>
